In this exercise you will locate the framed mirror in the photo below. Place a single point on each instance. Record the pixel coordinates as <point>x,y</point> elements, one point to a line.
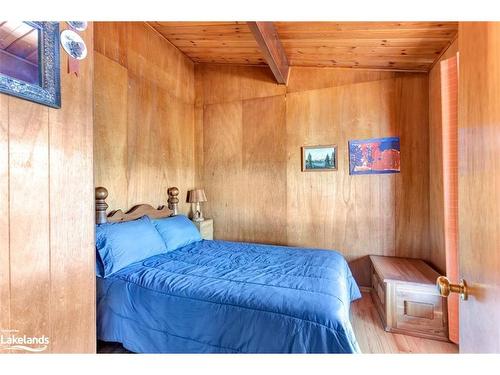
<point>29,61</point>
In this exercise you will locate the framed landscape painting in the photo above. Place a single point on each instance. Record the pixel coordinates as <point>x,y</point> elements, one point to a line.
<point>319,158</point>
<point>374,156</point>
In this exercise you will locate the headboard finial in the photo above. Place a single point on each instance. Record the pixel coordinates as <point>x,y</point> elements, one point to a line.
<point>101,206</point>
<point>173,201</point>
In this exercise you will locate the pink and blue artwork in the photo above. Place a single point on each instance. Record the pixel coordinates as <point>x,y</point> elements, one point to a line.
<point>374,156</point>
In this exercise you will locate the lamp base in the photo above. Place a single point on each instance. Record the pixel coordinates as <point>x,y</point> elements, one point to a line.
<point>197,214</point>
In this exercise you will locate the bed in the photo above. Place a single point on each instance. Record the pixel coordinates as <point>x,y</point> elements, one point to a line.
<point>227,297</point>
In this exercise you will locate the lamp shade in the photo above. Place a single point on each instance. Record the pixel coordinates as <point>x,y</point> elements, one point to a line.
<point>196,196</point>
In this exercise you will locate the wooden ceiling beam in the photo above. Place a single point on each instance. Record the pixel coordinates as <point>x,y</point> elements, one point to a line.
<point>270,45</point>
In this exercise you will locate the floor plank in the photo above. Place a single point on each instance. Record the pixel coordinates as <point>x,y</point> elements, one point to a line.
<point>372,338</point>
<point>368,329</point>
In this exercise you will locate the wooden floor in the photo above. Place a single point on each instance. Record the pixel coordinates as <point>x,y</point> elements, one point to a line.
<point>373,339</point>
<point>368,329</point>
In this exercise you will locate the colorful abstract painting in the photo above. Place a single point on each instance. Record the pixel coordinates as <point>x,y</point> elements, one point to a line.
<point>374,156</point>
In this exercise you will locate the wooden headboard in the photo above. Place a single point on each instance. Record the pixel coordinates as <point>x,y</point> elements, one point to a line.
<point>135,212</point>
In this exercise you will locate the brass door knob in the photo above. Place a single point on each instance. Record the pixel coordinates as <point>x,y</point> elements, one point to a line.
<point>445,287</point>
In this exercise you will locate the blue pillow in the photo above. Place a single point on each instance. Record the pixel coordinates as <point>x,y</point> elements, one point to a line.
<point>177,231</point>
<point>121,244</point>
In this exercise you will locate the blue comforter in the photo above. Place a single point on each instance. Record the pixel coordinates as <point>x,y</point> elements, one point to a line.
<point>230,297</point>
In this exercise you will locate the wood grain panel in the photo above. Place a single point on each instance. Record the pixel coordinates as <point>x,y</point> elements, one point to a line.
<point>110,138</point>
<point>449,95</point>
<point>4,219</point>
<point>479,184</point>
<point>49,214</point>
<point>160,144</point>
<point>355,214</point>
<point>29,222</point>
<point>244,156</point>
<point>412,46</point>
<point>178,133</point>
<point>153,58</point>
<point>223,162</point>
<point>219,83</point>
<point>264,165</point>
<point>198,145</point>
<point>419,310</point>
<point>144,146</point>
<point>114,40</point>
<point>146,54</point>
<point>302,78</point>
<point>144,116</point>
<point>333,209</point>
<point>72,249</point>
<point>412,186</point>
<point>436,204</point>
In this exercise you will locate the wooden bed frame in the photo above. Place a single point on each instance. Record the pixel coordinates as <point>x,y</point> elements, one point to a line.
<point>135,212</point>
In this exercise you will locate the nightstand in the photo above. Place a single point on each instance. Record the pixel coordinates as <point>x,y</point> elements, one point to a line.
<point>206,228</point>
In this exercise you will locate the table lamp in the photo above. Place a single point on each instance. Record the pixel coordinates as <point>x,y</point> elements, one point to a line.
<point>197,196</point>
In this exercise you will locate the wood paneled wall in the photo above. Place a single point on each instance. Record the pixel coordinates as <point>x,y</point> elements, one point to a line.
<point>144,115</point>
<point>436,197</point>
<point>47,256</point>
<point>251,131</point>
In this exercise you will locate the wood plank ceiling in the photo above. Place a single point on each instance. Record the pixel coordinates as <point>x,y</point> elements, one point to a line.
<point>20,40</point>
<point>403,46</point>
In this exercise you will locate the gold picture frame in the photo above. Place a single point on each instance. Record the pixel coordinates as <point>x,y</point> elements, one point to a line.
<point>319,158</point>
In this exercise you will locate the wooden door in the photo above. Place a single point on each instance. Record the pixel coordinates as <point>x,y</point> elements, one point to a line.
<point>449,126</point>
<point>479,185</point>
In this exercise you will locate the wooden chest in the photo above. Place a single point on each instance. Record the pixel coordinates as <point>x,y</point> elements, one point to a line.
<point>404,292</point>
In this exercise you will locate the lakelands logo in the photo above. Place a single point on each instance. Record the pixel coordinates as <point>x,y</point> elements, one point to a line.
<point>11,340</point>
